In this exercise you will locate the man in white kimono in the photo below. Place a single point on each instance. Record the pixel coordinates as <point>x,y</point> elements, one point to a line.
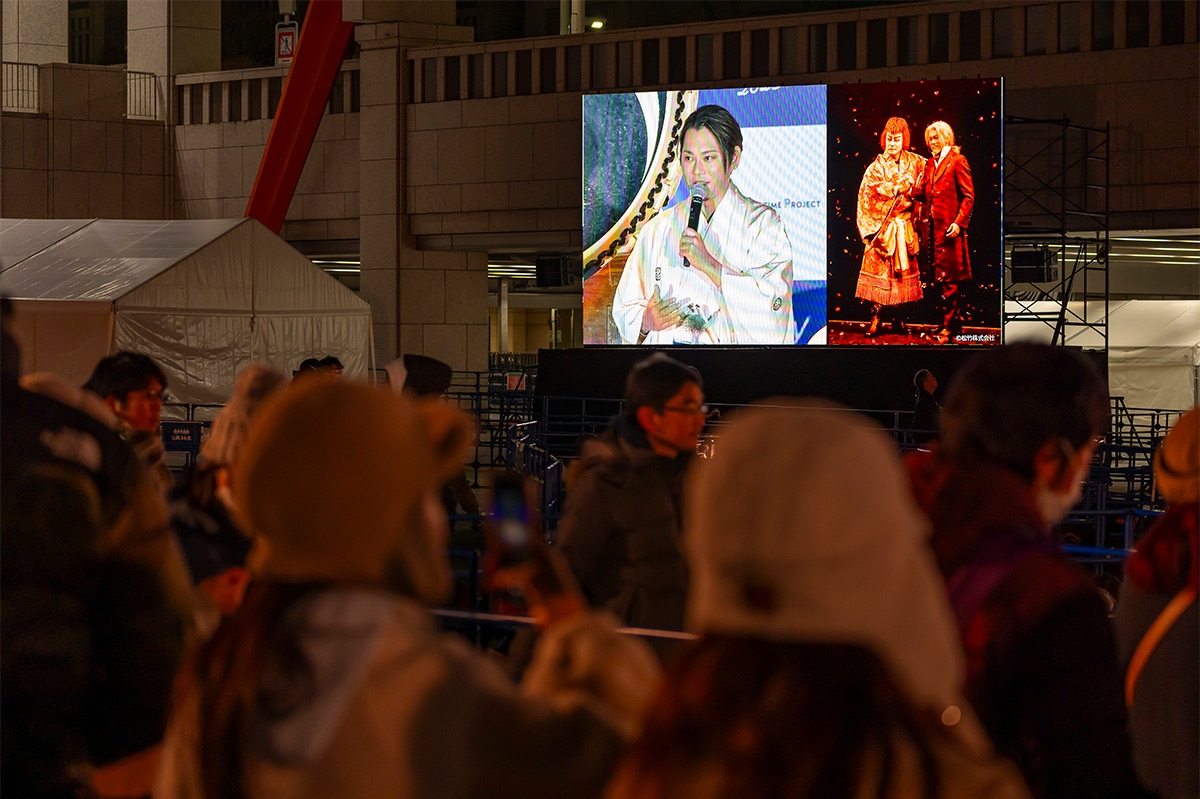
<point>727,282</point>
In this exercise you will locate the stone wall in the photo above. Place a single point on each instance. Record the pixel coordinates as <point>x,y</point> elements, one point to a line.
<point>80,157</point>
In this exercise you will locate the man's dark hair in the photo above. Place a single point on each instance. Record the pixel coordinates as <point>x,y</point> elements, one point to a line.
<point>1006,404</point>
<point>119,374</point>
<point>328,363</point>
<point>720,123</point>
<point>919,379</point>
<point>425,376</point>
<point>654,380</point>
<point>307,365</point>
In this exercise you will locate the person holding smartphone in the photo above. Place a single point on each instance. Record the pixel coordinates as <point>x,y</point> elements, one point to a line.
<point>333,680</point>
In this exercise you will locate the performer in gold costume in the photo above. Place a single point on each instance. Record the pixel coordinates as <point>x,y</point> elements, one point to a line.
<point>889,275</point>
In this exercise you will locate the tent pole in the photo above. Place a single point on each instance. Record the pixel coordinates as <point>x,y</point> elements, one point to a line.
<point>112,322</point>
<point>371,344</point>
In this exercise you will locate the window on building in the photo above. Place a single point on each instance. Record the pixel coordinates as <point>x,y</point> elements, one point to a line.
<point>876,43</point>
<point>1102,26</point>
<point>274,90</point>
<point>429,80</point>
<point>196,103</point>
<point>574,68</point>
<point>906,41</point>
<point>355,89</point>
<point>254,87</point>
<point>215,95</point>
<point>847,46</point>
<point>601,56</point>
<point>1035,30</point>
<point>548,69</point>
<point>524,76</point>
<point>789,51</point>
<point>1137,24</point>
<point>499,74</point>
<point>760,53</point>
<point>1002,33</point>
<point>235,98</point>
<point>939,38</point>
<point>1068,28</point>
<point>95,31</point>
<point>731,55</point>
<point>453,87</point>
<point>704,57</point>
<point>677,59</point>
<point>624,64</point>
<point>475,76</point>
<point>968,36</point>
<point>818,49</point>
<point>650,49</point>
<point>1172,21</point>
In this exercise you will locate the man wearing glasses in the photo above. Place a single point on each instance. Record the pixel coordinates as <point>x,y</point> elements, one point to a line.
<point>621,531</point>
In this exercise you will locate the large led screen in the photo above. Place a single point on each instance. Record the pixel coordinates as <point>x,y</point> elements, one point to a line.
<point>780,216</point>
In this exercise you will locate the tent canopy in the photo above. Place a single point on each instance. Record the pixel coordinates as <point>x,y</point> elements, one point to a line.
<point>1153,346</point>
<point>201,297</point>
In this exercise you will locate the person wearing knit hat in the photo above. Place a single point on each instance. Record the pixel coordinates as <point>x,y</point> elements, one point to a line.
<point>1158,628</point>
<point>826,646</point>
<point>332,679</point>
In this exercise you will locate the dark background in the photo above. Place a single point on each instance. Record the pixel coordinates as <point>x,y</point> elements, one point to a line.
<point>856,115</point>
<point>867,378</point>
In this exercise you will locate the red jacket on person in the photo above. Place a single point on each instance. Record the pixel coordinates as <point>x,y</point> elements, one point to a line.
<point>949,196</point>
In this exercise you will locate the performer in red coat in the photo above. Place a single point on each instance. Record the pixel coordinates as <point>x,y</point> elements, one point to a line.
<point>949,196</point>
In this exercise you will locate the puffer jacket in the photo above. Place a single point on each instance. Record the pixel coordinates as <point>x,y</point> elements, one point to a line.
<point>621,531</point>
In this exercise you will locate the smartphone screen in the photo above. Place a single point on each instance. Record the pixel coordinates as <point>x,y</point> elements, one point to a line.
<point>511,520</point>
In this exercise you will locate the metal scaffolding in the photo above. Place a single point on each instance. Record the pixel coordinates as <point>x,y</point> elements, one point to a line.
<point>1056,214</point>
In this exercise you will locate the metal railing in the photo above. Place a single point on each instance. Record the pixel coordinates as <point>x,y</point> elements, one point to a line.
<point>20,88</point>
<point>141,95</point>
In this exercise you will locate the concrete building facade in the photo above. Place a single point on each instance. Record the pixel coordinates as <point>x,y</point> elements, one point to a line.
<point>436,153</point>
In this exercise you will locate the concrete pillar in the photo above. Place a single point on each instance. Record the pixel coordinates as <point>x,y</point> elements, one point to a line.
<point>426,302</point>
<point>173,37</point>
<point>35,31</point>
<point>381,131</point>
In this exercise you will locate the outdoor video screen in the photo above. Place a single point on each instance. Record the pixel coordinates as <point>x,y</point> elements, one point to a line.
<point>860,214</point>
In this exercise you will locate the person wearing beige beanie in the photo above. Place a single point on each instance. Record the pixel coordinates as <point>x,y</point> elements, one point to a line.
<point>827,648</point>
<point>1158,628</point>
<point>332,680</point>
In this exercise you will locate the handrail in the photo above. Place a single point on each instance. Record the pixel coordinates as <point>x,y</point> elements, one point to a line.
<point>21,87</point>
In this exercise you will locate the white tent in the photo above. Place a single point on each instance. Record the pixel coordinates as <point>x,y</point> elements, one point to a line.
<point>201,297</point>
<point>1153,346</point>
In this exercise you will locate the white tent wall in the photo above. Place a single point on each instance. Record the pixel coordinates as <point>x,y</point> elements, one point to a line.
<point>201,297</point>
<point>245,297</point>
<point>1153,348</point>
<point>66,338</point>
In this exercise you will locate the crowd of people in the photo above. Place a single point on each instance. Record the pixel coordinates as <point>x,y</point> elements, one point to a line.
<point>862,625</point>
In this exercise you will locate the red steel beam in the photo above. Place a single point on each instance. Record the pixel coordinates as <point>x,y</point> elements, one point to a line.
<point>319,53</point>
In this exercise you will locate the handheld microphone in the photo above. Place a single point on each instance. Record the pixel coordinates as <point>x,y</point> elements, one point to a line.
<point>699,195</point>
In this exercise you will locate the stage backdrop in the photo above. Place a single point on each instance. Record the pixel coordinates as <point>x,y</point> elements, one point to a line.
<point>857,114</point>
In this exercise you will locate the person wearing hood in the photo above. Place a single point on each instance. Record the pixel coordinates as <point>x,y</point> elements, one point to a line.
<point>332,680</point>
<point>1018,430</point>
<point>621,529</point>
<point>827,663</point>
<point>1158,631</point>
